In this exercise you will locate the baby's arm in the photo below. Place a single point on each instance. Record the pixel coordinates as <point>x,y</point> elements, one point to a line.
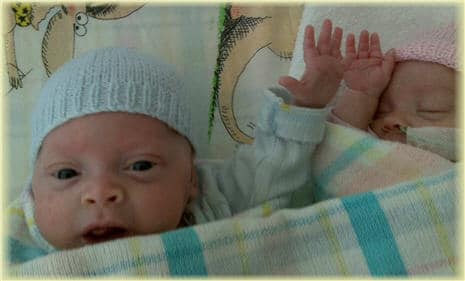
<point>367,75</point>
<point>278,163</point>
<point>270,169</point>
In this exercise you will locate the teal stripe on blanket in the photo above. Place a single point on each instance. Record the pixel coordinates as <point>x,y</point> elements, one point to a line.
<point>374,235</point>
<point>184,252</point>
<point>19,253</point>
<point>351,154</point>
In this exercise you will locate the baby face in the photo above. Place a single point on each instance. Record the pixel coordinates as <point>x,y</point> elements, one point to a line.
<point>420,94</point>
<point>111,175</point>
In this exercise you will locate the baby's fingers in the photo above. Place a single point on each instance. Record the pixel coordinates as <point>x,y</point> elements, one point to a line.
<point>389,61</point>
<point>351,54</point>
<point>309,44</point>
<point>375,46</point>
<point>350,46</point>
<point>324,40</point>
<point>336,43</point>
<point>363,45</point>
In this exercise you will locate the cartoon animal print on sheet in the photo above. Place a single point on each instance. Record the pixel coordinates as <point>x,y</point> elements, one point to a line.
<point>244,31</point>
<point>58,43</point>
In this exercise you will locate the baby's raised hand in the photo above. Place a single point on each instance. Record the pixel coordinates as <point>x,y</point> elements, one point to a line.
<point>368,71</point>
<point>324,68</point>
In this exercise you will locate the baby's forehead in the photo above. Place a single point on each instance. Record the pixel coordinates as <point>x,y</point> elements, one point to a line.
<point>105,130</point>
<point>421,68</point>
<point>418,75</point>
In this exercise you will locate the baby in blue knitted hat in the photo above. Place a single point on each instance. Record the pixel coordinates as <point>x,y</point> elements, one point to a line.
<point>113,152</point>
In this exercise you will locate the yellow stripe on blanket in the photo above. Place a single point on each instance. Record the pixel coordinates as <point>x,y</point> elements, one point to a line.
<point>285,107</point>
<point>242,248</point>
<point>141,269</point>
<point>15,212</point>
<point>30,222</point>
<point>439,227</point>
<point>344,137</point>
<point>341,136</point>
<point>267,209</point>
<point>324,220</point>
<point>374,154</point>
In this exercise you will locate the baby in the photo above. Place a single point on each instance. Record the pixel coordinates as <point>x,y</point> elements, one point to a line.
<point>407,95</point>
<point>113,153</point>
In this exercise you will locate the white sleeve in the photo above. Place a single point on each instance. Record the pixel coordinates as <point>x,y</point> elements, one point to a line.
<point>273,167</point>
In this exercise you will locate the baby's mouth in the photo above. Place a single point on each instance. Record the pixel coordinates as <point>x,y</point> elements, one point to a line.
<point>102,234</point>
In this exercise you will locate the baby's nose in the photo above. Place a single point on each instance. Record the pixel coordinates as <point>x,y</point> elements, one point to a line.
<point>393,122</point>
<point>103,194</point>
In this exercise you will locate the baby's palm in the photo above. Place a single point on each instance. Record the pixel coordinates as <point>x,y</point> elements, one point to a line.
<point>367,71</point>
<point>366,75</point>
<point>323,75</point>
<point>324,68</point>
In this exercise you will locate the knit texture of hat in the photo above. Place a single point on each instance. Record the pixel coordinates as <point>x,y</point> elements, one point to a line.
<point>438,46</point>
<point>110,80</point>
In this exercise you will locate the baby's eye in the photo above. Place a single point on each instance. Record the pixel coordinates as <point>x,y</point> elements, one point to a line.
<point>65,174</point>
<point>432,112</point>
<point>140,166</point>
<point>432,115</point>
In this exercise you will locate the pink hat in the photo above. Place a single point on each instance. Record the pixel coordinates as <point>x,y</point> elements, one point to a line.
<point>436,46</point>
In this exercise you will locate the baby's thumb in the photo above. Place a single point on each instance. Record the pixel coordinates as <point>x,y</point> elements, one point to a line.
<point>389,61</point>
<point>290,83</point>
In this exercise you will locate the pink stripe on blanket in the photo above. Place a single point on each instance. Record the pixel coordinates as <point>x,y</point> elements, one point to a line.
<point>403,163</point>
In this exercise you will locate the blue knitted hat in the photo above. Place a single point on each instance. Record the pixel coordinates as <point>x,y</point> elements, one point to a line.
<point>110,80</point>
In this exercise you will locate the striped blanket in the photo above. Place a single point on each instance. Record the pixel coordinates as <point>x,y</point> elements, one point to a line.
<point>350,161</point>
<point>406,228</point>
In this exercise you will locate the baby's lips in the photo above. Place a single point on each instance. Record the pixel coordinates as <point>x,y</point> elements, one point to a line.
<point>104,234</point>
<point>101,232</point>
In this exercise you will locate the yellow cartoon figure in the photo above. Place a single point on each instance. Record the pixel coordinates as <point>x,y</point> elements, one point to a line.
<point>69,20</point>
<point>23,13</point>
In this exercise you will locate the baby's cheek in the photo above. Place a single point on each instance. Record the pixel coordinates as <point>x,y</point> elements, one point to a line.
<point>451,120</point>
<point>51,215</point>
<point>47,212</point>
<point>157,213</point>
